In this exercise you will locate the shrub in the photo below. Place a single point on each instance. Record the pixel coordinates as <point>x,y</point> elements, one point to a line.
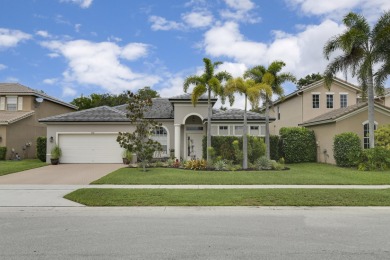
<point>41,148</point>
<point>382,137</point>
<point>375,159</point>
<point>56,152</point>
<point>224,148</point>
<point>3,152</point>
<point>347,149</point>
<point>221,165</point>
<point>298,144</point>
<point>263,163</point>
<point>196,164</point>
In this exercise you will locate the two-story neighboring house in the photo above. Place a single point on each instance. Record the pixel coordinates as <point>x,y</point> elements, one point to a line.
<point>20,109</point>
<point>328,112</point>
<point>311,101</point>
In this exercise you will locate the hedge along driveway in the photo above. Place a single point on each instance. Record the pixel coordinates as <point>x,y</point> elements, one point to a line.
<point>299,174</point>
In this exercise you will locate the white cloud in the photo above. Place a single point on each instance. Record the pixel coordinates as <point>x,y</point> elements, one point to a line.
<point>173,86</point>
<point>68,92</point>
<point>43,34</point>
<point>134,51</point>
<point>12,79</point>
<point>99,64</point>
<point>77,27</point>
<point>301,52</point>
<point>53,55</point>
<point>11,38</point>
<point>81,3</point>
<point>227,41</point>
<point>198,19</point>
<point>2,66</point>
<point>161,24</point>
<point>336,9</point>
<point>240,11</point>
<point>51,81</point>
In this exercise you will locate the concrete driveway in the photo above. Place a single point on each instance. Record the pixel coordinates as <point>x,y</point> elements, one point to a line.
<point>62,174</point>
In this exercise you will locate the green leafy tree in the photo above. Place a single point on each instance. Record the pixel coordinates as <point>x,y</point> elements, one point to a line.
<point>139,141</point>
<point>252,91</point>
<point>309,79</point>
<point>362,51</point>
<point>209,83</point>
<point>97,100</point>
<point>271,77</point>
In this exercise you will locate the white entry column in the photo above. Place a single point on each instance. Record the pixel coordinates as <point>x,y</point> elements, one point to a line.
<point>177,141</point>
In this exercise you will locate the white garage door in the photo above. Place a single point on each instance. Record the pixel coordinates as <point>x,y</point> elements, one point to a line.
<point>90,148</point>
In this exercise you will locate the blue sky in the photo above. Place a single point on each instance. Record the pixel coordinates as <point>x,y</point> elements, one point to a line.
<point>72,47</point>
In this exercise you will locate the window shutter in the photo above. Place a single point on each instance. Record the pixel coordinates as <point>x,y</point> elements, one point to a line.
<point>2,103</point>
<point>20,103</point>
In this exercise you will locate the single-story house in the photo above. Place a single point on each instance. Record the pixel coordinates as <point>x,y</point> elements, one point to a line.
<point>348,119</point>
<point>89,136</point>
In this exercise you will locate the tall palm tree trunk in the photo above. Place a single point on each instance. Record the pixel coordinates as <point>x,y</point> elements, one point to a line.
<point>267,145</point>
<point>371,109</point>
<point>209,125</point>
<point>245,140</point>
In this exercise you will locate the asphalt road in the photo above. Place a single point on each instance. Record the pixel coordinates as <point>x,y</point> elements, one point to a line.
<point>194,233</point>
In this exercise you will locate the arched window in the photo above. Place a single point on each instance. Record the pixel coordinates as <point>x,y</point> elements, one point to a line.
<point>160,135</point>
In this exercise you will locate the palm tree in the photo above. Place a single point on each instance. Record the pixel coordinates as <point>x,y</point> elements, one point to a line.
<point>269,76</point>
<point>362,49</point>
<point>252,91</point>
<point>208,83</point>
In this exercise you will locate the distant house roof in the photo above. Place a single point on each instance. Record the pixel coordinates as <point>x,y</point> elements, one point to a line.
<point>20,90</point>
<point>236,115</point>
<point>9,117</point>
<point>187,96</point>
<point>338,114</point>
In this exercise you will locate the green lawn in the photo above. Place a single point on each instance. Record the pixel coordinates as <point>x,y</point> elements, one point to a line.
<point>230,197</point>
<point>7,167</point>
<point>305,173</point>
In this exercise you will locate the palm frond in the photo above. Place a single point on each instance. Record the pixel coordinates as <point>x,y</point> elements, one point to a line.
<point>256,73</point>
<point>276,66</point>
<point>192,80</point>
<point>198,91</point>
<point>208,69</point>
<point>215,86</point>
<point>223,76</point>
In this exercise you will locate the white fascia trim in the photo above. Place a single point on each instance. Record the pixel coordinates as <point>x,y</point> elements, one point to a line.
<point>315,93</point>
<point>329,93</point>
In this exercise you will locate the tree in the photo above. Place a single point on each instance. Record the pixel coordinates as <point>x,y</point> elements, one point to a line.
<point>272,77</point>
<point>252,91</point>
<point>139,141</point>
<point>208,83</point>
<point>362,50</point>
<point>309,79</point>
<point>97,100</point>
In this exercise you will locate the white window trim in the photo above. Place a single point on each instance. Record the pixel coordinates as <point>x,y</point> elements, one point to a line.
<point>329,93</point>
<point>316,93</point>
<point>228,130</point>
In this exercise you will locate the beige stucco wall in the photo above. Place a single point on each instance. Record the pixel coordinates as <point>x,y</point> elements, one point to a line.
<point>182,111</point>
<point>326,132</point>
<point>299,108</point>
<point>3,134</point>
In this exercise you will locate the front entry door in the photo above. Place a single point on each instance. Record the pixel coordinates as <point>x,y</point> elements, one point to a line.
<point>194,146</point>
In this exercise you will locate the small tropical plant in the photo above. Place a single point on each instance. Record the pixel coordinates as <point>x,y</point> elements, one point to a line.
<point>221,165</point>
<point>196,164</point>
<point>56,152</point>
<point>263,163</point>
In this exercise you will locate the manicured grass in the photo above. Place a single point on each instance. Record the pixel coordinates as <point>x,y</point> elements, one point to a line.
<point>230,197</point>
<point>305,173</point>
<point>7,167</point>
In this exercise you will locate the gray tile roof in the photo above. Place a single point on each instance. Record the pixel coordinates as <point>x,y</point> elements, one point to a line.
<point>161,109</point>
<point>187,96</point>
<point>18,89</point>
<point>9,117</point>
<point>235,114</point>
<point>335,114</point>
<point>97,114</point>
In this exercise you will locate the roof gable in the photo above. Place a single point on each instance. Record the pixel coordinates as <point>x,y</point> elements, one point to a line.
<point>21,90</point>
<point>9,117</point>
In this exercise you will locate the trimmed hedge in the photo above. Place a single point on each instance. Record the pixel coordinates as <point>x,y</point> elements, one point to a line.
<point>375,159</point>
<point>3,152</point>
<point>41,148</point>
<point>347,149</point>
<point>223,147</point>
<point>298,144</point>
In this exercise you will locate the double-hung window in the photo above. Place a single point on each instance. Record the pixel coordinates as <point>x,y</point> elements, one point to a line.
<point>343,100</point>
<point>329,100</point>
<point>316,100</point>
<point>12,103</point>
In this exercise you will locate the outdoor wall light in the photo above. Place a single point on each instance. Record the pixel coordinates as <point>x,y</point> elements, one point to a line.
<point>51,139</point>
